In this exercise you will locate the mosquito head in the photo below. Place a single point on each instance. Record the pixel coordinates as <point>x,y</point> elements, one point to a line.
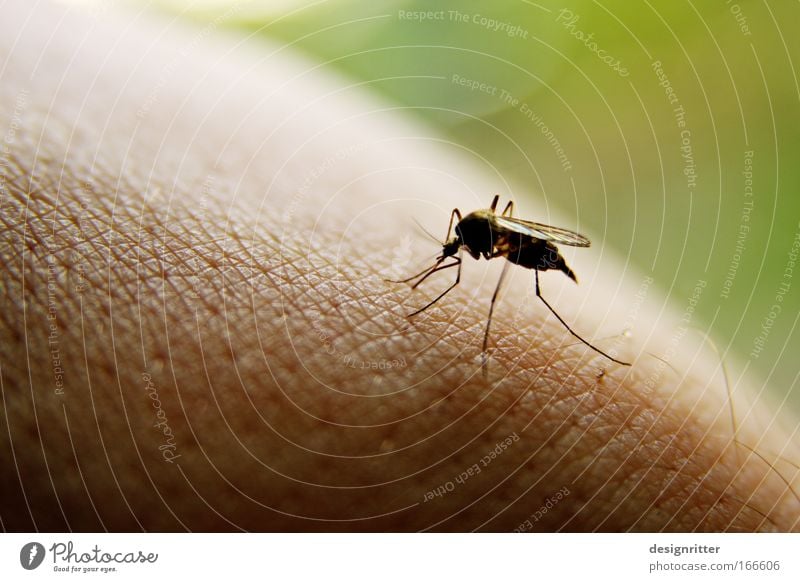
<point>450,248</point>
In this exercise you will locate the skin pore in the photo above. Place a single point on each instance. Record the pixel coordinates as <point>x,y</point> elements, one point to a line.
<point>196,333</point>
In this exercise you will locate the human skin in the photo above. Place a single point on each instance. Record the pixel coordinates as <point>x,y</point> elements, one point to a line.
<point>195,242</point>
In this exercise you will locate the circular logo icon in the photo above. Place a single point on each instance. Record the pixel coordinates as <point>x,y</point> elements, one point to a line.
<point>31,555</point>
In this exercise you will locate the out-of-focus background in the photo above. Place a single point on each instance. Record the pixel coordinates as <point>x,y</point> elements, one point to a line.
<point>668,128</point>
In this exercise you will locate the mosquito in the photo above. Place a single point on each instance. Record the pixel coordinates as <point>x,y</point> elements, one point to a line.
<point>484,233</point>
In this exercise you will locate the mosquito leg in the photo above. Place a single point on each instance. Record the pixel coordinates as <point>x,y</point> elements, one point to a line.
<point>430,270</point>
<point>569,329</point>
<point>425,230</point>
<point>453,215</point>
<point>491,311</point>
<point>434,270</point>
<point>446,291</point>
<point>412,277</point>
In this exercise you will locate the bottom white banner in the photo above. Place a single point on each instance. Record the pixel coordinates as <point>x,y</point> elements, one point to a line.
<point>400,557</point>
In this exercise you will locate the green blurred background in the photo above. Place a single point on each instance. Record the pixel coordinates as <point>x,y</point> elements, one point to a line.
<point>601,140</point>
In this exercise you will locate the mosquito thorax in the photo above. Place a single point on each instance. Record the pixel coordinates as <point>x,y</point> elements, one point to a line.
<point>475,232</point>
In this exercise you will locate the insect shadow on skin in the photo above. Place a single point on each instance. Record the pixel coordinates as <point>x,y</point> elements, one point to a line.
<point>531,245</point>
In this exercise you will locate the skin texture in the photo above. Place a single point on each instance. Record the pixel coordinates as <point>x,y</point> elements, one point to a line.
<point>195,241</point>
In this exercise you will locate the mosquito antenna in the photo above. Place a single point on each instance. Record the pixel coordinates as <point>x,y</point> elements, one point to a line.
<point>426,231</point>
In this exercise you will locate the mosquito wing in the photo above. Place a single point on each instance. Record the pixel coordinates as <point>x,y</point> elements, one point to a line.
<point>554,234</point>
